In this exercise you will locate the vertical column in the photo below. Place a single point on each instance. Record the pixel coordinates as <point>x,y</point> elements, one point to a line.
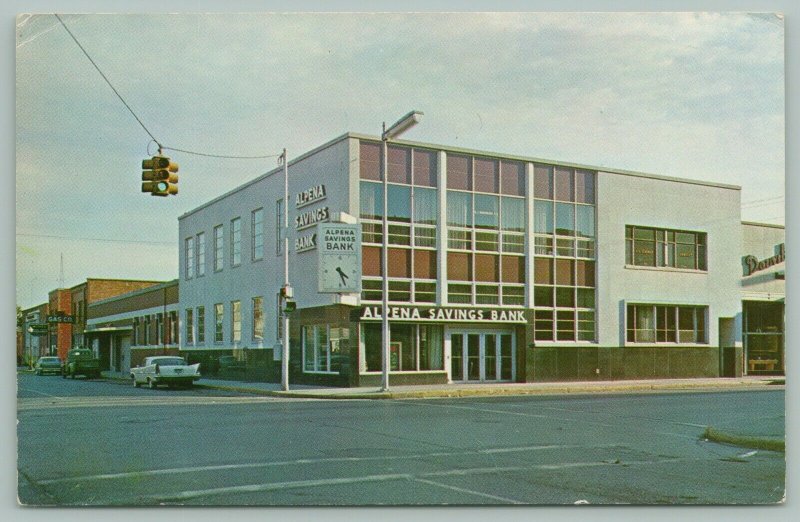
<point>529,240</point>
<point>441,234</point>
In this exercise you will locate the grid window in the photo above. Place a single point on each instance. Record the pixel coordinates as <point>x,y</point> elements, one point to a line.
<point>236,242</point>
<point>201,324</point>
<point>646,323</point>
<point>258,318</point>
<point>218,318</point>
<point>236,321</point>
<point>189,256</point>
<point>219,245</point>
<point>257,234</point>
<point>655,247</point>
<point>189,326</point>
<point>201,254</point>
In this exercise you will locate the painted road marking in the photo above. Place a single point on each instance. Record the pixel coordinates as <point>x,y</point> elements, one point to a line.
<point>25,404</point>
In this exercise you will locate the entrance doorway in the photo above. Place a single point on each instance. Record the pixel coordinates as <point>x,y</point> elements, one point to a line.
<point>482,355</point>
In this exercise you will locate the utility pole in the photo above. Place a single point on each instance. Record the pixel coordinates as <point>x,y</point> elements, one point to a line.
<point>286,293</point>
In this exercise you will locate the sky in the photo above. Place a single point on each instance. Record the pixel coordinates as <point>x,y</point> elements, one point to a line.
<point>691,95</point>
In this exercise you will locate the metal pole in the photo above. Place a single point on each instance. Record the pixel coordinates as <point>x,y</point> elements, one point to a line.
<point>385,266</point>
<point>285,340</point>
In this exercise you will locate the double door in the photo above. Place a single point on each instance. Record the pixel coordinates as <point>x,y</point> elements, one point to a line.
<point>481,356</point>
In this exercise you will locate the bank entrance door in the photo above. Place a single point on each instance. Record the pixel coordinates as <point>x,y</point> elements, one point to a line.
<point>482,356</point>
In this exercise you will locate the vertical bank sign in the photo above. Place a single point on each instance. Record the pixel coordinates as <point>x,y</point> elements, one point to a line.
<point>339,258</point>
<point>307,218</point>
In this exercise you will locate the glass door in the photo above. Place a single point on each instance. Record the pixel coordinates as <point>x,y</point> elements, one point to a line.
<point>477,356</point>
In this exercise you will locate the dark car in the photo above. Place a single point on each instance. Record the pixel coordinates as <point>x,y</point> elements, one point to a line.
<point>48,365</point>
<point>81,361</point>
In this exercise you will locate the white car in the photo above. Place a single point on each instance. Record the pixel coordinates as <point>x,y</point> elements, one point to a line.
<point>165,369</point>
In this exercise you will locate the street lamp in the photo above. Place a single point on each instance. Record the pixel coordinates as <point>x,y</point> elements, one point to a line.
<point>286,291</point>
<point>402,125</point>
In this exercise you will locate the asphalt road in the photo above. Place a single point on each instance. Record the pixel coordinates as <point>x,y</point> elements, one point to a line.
<point>105,443</point>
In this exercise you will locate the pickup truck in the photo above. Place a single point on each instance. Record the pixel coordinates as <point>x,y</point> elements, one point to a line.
<point>81,361</point>
<point>165,369</point>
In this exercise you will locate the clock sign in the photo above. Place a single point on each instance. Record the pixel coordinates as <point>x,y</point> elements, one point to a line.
<point>339,258</point>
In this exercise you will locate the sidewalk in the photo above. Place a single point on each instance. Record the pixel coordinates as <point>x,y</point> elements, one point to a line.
<point>496,389</point>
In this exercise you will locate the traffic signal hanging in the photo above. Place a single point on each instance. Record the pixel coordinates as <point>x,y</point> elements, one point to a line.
<point>160,178</point>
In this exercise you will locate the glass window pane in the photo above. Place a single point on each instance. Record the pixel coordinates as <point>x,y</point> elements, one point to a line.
<point>565,219</point>
<point>512,178</point>
<point>487,294</point>
<point>459,294</point>
<point>543,217</point>
<point>584,186</point>
<point>644,253</point>
<point>585,298</point>
<point>564,272</point>
<point>425,168</point>
<point>370,160</point>
<point>371,261</point>
<point>371,200</point>
<point>543,296</point>
<point>543,270</point>
<point>513,211</point>
<point>585,273</point>
<point>399,234</point>
<point>565,297</point>
<point>686,256</point>
<point>425,237</point>
<point>400,291</point>
<point>487,211</point>
<point>565,184</point>
<point>399,165</point>
<point>459,266</point>
<point>543,181</point>
<point>644,233</point>
<point>514,295</point>
<point>425,264</point>
<point>459,209</point>
<point>399,203</point>
<point>486,241</point>
<point>585,221</point>
<point>459,239</point>
<point>426,206</point>
<point>513,269</point>
<point>459,172</point>
<point>487,178</point>
<point>487,267</point>
<point>399,262</point>
<point>424,292</point>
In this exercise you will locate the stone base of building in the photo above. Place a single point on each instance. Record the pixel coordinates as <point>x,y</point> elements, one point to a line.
<point>618,363</point>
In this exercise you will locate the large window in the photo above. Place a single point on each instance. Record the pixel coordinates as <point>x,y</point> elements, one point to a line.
<point>656,247</point>
<point>236,321</point>
<point>219,245</point>
<point>413,209</point>
<point>325,348</point>
<point>648,323</point>
<point>201,254</point>
<point>257,234</point>
<point>279,231</point>
<point>236,242</point>
<point>412,347</point>
<point>201,324</point>
<point>218,318</point>
<point>258,318</point>
<point>189,326</point>
<point>189,256</point>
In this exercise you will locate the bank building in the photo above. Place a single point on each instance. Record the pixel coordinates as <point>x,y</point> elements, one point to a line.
<point>500,268</point>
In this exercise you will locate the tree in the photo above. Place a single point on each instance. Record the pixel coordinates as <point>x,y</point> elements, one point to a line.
<point>20,317</point>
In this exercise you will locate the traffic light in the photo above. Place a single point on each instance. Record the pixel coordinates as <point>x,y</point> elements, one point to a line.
<point>289,306</point>
<point>160,179</point>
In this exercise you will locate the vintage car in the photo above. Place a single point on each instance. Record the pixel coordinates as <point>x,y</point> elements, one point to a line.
<point>48,365</point>
<point>81,361</point>
<point>165,369</point>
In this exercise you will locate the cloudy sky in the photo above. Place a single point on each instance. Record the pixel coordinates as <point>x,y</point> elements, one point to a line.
<point>688,95</point>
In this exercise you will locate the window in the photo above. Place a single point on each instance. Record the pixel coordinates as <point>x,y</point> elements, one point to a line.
<point>258,318</point>
<point>174,331</point>
<point>371,200</point>
<point>257,234</point>
<point>201,324</point>
<point>325,348</point>
<point>657,247</point>
<point>189,326</point>
<point>279,231</point>
<point>370,161</point>
<point>413,347</point>
<point>236,321</point>
<point>648,323</point>
<point>219,257</point>
<point>236,242</point>
<point>218,317</point>
<point>201,254</point>
<point>189,257</point>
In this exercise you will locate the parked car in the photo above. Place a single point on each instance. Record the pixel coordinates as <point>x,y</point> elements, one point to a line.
<point>81,361</point>
<point>48,365</point>
<point>165,369</point>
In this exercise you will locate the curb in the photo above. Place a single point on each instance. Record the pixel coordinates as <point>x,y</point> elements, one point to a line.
<point>489,392</point>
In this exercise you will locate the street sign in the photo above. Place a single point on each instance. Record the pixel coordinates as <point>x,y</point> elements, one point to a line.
<point>37,329</point>
<point>61,317</point>
<point>339,258</point>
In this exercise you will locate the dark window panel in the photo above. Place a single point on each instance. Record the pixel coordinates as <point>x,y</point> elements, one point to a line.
<point>400,262</point>
<point>399,165</point>
<point>564,272</point>
<point>371,261</point>
<point>584,186</point>
<point>487,267</point>
<point>585,273</point>
<point>459,172</point>
<point>513,269</point>
<point>425,264</point>
<point>565,184</point>
<point>512,178</point>
<point>459,266</point>
<point>543,271</point>
<point>487,176</point>
<point>370,161</point>
<point>425,162</point>
<point>543,181</point>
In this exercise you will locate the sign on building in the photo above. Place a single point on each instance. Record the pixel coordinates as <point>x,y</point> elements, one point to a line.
<point>339,258</point>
